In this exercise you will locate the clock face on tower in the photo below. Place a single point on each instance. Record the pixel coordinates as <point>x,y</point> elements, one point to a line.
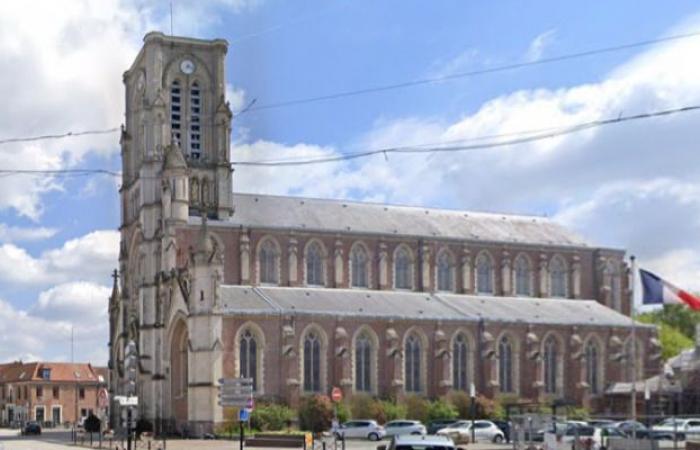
<point>187,66</point>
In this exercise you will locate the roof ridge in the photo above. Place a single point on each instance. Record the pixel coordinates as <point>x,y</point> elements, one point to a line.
<point>398,205</point>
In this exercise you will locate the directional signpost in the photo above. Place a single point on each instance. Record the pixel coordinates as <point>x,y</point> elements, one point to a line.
<point>237,393</point>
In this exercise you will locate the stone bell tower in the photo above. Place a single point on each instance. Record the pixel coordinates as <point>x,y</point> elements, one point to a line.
<point>175,164</point>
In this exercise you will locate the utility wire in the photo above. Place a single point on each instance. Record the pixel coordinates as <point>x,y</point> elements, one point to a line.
<point>58,136</point>
<point>541,134</point>
<point>460,148</point>
<point>503,68</point>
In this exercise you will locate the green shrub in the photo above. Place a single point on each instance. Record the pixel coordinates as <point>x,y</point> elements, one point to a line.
<point>343,412</point>
<point>416,408</point>
<point>361,406</point>
<point>462,403</point>
<point>391,410</point>
<point>271,417</point>
<point>440,409</point>
<point>315,413</point>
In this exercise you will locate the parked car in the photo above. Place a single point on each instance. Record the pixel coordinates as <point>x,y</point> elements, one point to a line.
<point>398,427</point>
<point>31,428</point>
<point>675,425</point>
<point>600,423</point>
<point>412,442</point>
<point>629,427</point>
<point>436,425</point>
<point>588,437</point>
<point>484,430</point>
<point>504,426</point>
<point>363,429</point>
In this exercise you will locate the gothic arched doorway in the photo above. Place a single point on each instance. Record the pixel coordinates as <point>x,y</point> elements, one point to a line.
<point>179,373</point>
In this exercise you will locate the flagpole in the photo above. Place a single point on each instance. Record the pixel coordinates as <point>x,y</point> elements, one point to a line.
<point>632,281</point>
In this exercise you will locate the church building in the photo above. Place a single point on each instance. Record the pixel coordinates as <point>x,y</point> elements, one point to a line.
<point>303,295</point>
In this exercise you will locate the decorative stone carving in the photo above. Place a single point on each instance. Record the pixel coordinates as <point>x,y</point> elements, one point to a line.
<point>244,243</point>
<point>544,276</point>
<point>383,266</point>
<point>576,276</point>
<point>292,260</point>
<point>466,270</point>
<point>506,273</point>
<point>338,264</point>
<point>425,267</point>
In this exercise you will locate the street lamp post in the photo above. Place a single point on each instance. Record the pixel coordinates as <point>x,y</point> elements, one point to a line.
<point>472,408</point>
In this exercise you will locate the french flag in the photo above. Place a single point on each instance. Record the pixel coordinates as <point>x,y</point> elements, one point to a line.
<point>660,291</point>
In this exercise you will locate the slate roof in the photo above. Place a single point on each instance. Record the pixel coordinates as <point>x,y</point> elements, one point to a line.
<point>277,212</point>
<point>417,306</point>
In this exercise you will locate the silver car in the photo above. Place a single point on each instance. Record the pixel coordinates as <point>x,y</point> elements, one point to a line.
<point>484,430</point>
<point>399,427</point>
<point>363,429</point>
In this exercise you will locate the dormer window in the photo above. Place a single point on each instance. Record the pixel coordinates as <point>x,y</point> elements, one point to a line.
<point>45,374</point>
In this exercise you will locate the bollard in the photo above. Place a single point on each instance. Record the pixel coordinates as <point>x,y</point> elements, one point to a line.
<point>324,445</point>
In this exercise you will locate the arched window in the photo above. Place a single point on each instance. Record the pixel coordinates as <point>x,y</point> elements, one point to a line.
<point>445,272</point>
<point>314,264</point>
<point>363,363</point>
<point>176,112</point>
<point>550,365</point>
<point>505,364</point>
<point>248,357</point>
<point>403,269</point>
<point>268,258</point>
<point>460,354</point>
<point>195,125</point>
<point>412,354</point>
<point>484,274</point>
<point>557,277</point>
<point>592,367</point>
<point>522,276</point>
<point>312,362</point>
<point>359,267</point>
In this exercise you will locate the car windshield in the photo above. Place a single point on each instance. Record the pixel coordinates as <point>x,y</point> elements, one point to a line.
<point>670,423</point>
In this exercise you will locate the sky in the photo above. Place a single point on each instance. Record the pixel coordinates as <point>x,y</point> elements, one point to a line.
<point>632,186</point>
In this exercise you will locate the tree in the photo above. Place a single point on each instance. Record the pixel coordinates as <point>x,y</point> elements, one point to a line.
<point>316,413</point>
<point>676,327</point>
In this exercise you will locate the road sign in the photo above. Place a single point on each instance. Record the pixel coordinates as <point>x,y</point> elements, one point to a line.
<point>236,381</point>
<point>243,415</point>
<point>250,404</point>
<point>336,394</point>
<point>126,401</point>
<point>102,398</point>
<point>236,390</point>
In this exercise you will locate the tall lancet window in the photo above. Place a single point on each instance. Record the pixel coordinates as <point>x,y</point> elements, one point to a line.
<point>312,362</point>
<point>403,270</point>
<point>314,265</point>
<point>550,365</point>
<point>176,112</point>
<point>363,363</point>
<point>445,274</point>
<point>268,263</point>
<point>592,368</point>
<point>460,352</point>
<point>557,277</point>
<point>522,276</point>
<point>505,365</point>
<point>359,265</point>
<point>249,357</point>
<point>484,274</point>
<point>412,355</point>
<point>195,125</point>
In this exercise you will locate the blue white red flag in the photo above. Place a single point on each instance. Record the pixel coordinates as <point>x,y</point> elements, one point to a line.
<point>659,291</point>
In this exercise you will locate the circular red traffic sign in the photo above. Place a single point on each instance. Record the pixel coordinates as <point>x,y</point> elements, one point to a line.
<point>336,394</point>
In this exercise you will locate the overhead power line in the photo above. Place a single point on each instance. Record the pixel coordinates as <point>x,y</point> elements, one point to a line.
<point>562,131</point>
<point>58,136</point>
<point>440,147</point>
<point>472,73</point>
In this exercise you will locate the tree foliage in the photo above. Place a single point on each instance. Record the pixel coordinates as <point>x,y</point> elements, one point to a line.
<point>316,413</point>
<point>676,327</point>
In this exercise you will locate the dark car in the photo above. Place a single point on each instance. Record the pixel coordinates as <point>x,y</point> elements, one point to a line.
<point>504,426</point>
<point>435,425</point>
<point>31,428</point>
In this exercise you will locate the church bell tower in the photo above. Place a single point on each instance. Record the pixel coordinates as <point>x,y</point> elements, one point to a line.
<point>175,166</point>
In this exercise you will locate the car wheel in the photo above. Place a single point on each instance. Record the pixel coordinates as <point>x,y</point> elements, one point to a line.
<point>373,437</point>
<point>497,439</point>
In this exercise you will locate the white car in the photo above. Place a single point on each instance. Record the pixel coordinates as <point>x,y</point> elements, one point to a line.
<point>687,426</point>
<point>363,429</point>
<point>399,427</point>
<point>409,442</point>
<point>588,437</point>
<point>484,430</point>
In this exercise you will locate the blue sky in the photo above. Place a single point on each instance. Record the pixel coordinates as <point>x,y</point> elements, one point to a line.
<point>622,186</point>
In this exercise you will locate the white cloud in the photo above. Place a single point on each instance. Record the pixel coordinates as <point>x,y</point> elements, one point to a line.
<point>15,234</point>
<point>91,257</point>
<point>68,301</point>
<point>630,185</point>
<point>538,45</point>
